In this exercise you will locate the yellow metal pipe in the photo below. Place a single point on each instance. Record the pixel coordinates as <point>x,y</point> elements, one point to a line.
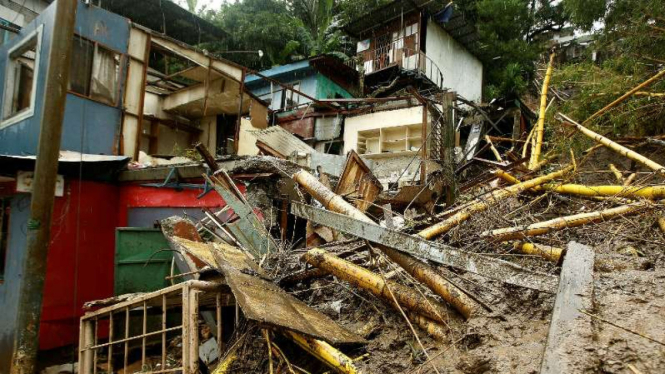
<point>325,352</point>
<point>540,126</point>
<point>545,251</point>
<point>545,227</point>
<point>661,224</point>
<point>492,199</point>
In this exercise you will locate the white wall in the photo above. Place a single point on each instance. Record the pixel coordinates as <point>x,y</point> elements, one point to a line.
<point>462,72</point>
<point>377,120</point>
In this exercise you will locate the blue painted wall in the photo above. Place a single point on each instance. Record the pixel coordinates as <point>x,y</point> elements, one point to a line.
<point>9,289</point>
<point>89,126</point>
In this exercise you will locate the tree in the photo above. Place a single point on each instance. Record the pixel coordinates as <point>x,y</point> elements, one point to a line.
<point>265,25</point>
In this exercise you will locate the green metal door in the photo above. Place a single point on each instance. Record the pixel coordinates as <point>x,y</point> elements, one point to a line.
<point>140,266</point>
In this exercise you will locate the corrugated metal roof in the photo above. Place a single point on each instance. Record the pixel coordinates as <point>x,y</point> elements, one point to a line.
<point>282,141</point>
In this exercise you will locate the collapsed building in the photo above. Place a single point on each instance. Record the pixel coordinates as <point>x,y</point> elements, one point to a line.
<point>202,207</point>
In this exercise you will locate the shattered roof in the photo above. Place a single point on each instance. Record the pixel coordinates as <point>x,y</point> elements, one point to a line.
<point>459,27</point>
<point>168,18</point>
<point>282,141</point>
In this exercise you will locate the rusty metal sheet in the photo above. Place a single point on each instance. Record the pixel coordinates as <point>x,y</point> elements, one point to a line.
<point>260,299</point>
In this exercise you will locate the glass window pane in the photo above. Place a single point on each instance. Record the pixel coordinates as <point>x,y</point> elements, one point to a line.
<point>81,66</point>
<point>105,76</point>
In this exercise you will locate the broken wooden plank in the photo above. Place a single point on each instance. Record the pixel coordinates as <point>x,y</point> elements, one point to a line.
<point>249,231</point>
<point>358,182</point>
<point>260,299</point>
<point>416,246</point>
<point>571,333</point>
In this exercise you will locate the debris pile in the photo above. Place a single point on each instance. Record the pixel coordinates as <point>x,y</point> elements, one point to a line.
<point>533,263</point>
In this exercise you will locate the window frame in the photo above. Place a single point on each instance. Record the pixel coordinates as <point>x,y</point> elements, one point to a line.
<point>95,45</point>
<point>6,95</point>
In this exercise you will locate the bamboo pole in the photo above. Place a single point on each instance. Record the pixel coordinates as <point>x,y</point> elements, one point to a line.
<point>527,143</point>
<point>560,223</point>
<point>540,126</point>
<point>335,203</point>
<point>625,96</point>
<point>652,192</point>
<point>616,146</point>
<point>328,198</point>
<point>435,330</point>
<point>325,352</point>
<point>375,284</point>
<point>617,174</point>
<point>545,251</point>
<point>492,199</point>
<point>506,176</point>
<point>437,283</point>
<point>630,179</point>
<point>661,224</point>
<point>497,155</point>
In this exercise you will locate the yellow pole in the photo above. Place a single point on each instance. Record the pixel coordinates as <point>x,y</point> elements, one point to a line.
<point>375,284</point>
<point>545,251</point>
<point>506,176</point>
<point>325,352</point>
<point>625,96</point>
<point>560,223</point>
<point>661,224</point>
<point>652,192</point>
<point>630,179</point>
<point>328,198</point>
<point>482,205</point>
<point>527,143</point>
<point>617,174</point>
<point>615,146</point>
<point>435,330</point>
<point>540,126</point>
<point>497,155</point>
<point>434,281</point>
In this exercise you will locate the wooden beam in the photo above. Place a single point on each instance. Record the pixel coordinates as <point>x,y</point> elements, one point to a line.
<point>571,332</point>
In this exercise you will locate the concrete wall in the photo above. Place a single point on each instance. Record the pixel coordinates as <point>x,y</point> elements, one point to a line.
<point>89,126</point>
<point>462,71</point>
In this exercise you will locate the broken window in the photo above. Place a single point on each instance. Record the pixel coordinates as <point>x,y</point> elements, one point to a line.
<point>20,82</point>
<point>95,72</point>
<point>4,233</point>
<point>292,98</point>
<point>81,66</point>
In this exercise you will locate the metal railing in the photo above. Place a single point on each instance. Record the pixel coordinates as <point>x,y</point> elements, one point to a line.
<point>395,55</point>
<point>102,340</point>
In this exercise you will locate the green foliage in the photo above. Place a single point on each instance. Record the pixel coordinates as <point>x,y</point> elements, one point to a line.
<point>583,13</point>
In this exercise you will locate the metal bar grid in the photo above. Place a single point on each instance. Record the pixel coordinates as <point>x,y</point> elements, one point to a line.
<point>185,295</point>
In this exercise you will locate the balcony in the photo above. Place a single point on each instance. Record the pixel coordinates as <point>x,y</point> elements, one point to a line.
<point>396,55</point>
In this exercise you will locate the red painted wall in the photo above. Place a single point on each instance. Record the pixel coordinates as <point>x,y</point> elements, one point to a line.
<point>136,196</point>
<point>80,260</point>
<point>80,265</point>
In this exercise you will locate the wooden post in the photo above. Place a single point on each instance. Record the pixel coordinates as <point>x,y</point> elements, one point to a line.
<point>570,330</point>
<point>423,147</point>
<point>448,156</point>
<point>26,345</point>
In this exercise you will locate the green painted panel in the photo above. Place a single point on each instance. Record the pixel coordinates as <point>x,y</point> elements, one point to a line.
<point>139,267</point>
<point>326,89</point>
